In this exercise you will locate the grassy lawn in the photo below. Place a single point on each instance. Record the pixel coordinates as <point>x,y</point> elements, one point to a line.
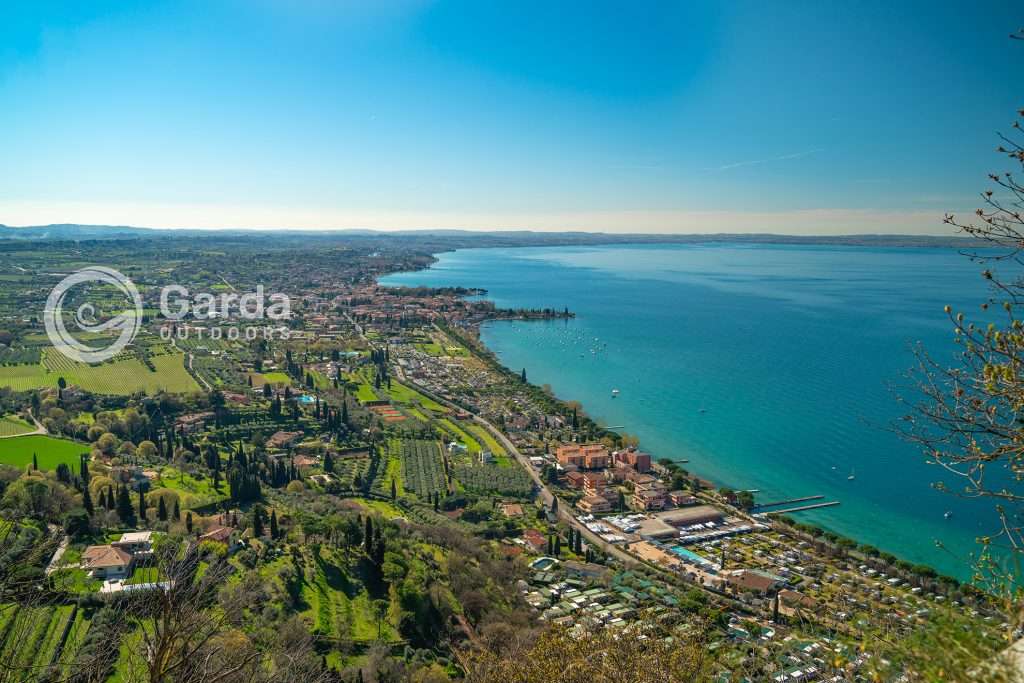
<point>337,599</point>
<point>460,435</point>
<point>49,451</point>
<point>273,378</point>
<point>75,580</point>
<point>11,425</point>
<point>194,492</point>
<point>403,394</point>
<point>487,439</point>
<point>144,575</point>
<point>386,510</point>
<point>394,468</point>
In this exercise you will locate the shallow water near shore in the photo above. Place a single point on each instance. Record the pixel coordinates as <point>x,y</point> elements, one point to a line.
<point>768,367</point>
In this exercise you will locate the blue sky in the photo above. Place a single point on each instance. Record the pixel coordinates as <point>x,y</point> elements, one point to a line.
<point>803,117</point>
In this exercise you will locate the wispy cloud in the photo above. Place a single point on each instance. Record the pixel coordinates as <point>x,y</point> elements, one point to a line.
<point>757,162</point>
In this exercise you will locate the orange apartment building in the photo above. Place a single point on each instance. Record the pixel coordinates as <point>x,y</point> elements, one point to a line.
<point>592,456</point>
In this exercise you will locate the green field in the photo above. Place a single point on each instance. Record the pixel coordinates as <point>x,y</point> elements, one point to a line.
<point>273,378</point>
<point>192,492</point>
<point>408,396</point>
<point>11,425</point>
<point>460,435</point>
<point>49,451</point>
<point>123,377</point>
<point>490,442</point>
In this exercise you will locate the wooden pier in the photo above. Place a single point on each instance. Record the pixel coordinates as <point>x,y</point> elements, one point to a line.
<point>801,508</point>
<point>777,503</point>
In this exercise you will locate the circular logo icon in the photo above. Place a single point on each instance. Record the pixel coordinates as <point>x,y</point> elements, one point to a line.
<point>126,324</point>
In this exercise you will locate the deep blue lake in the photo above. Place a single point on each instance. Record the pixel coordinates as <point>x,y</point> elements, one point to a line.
<point>767,367</point>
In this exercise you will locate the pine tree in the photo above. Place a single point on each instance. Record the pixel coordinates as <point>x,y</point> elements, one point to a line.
<point>87,500</point>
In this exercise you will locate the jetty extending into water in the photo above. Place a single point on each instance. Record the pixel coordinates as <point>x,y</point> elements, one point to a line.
<point>789,501</point>
<point>800,508</point>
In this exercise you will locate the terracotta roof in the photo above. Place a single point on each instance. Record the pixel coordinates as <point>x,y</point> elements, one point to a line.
<point>102,556</point>
<point>221,534</point>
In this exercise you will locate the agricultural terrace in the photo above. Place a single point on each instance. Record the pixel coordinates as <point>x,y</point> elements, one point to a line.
<point>48,450</point>
<point>123,376</point>
<point>32,638</point>
<point>11,425</point>
<point>495,479</point>
<point>406,396</point>
<point>423,471</point>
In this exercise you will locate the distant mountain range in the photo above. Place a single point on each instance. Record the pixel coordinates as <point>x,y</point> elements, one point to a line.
<point>465,238</point>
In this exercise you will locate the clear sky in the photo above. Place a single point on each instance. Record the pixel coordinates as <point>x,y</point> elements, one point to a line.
<point>801,117</point>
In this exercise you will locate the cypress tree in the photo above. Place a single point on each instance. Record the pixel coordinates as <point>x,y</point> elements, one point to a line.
<point>35,462</point>
<point>257,522</point>
<point>176,513</point>
<point>188,521</point>
<point>161,510</point>
<point>274,531</point>
<point>368,537</point>
<point>87,500</point>
<point>124,506</point>
<point>142,505</point>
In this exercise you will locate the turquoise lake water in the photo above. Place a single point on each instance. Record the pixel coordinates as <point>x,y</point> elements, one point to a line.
<point>791,352</point>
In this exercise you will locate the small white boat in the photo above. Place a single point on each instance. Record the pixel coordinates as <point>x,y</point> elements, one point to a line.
<point>615,393</point>
<point>949,513</point>
<point>852,476</point>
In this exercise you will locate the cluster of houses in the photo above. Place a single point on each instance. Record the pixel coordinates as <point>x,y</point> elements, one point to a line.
<point>595,471</point>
